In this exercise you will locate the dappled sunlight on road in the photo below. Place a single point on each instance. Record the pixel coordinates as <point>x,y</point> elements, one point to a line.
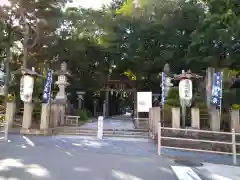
<point>91,143</point>
<point>124,176</point>
<point>81,169</point>
<point>9,164</point>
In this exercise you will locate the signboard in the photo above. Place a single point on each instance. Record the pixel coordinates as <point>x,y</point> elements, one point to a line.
<point>144,101</point>
<point>26,88</point>
<point>185,89</point>
<point>100,127</point>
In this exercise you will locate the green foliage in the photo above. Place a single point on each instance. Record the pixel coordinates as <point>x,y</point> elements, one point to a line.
<point>173,102</point>
<point>11,98</point>
<point>173,93</point>
<point>168,115</point>
<point>173,97</point>
<point>84,114</point>
<point>236,107</point>
<point>123,39</point>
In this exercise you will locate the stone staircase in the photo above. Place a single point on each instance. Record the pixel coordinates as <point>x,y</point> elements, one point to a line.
<point>119,133</point>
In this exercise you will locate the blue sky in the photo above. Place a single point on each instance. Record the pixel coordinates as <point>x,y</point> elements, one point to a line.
<point>90,3</point>
<point>85,3</point>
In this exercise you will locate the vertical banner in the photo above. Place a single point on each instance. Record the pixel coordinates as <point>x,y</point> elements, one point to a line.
<point>163,84</point>
<point>47,87</point>
<point>217,90</point>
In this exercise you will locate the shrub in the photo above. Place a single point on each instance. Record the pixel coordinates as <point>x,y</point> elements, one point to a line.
<point>84,114</point>
<point>173,102</point>
<point>173,93</point>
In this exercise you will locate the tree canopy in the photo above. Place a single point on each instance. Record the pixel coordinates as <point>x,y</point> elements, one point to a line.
<point>135,38</point>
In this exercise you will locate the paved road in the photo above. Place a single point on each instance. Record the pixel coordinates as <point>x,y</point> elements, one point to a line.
<point>51,158</point>
<point>63,157</point>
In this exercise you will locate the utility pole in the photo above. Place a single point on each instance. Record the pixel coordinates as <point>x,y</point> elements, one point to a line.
<point>7,61</point>
<point>25,45</point>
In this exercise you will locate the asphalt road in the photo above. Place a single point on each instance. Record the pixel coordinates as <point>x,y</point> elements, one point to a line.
<point>51,158</point>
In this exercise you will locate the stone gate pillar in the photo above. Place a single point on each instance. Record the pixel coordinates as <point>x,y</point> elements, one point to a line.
<point>235,120</point>
<point>45,114</point>
<point>215,119</point>
<point>195,118</point>
<point>27,117</point>
<point>10,113</point>
<point>176,117</point>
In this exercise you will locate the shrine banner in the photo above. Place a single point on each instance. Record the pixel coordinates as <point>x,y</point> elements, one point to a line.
<point>217,90</point>
<point>47,87</point>
<point>163,84</point>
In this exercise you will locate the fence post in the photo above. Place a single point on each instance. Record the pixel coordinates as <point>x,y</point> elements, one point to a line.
<point>234,153</point>
<point>159,139</point>
<point>6,131</point>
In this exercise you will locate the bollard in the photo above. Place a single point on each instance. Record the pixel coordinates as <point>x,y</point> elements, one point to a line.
<point>6,131</point>
<point>234,151</point>
<point>159,139</point>
<point>100,128</point>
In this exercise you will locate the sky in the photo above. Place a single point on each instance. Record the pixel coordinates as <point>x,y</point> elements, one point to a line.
<point>95,4</point>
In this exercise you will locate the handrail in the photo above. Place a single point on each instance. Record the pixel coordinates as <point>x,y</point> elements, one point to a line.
<point>155,128</point>
<point>233,143</point>
<point>197,130</point>
<point>196,140</point>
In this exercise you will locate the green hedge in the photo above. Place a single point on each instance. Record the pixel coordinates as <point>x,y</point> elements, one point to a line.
<point>84,114</point>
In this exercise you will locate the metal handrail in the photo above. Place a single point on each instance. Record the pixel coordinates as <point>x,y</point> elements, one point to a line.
<point>233,143</point>
<point>196,140</point>
<point>155,128</point>
<point>197,130</point>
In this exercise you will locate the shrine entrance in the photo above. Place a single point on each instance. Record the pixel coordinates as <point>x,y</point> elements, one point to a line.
<point>116,102</point>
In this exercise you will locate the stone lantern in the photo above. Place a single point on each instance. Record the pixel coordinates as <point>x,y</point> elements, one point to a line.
<point>62,83</point>
<point>80,95</point>
<point>60,101</point>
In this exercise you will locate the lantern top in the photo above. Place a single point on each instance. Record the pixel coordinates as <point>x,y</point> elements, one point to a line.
<point>31,72</point>
<point>63,69</point>
<point>186,75</point>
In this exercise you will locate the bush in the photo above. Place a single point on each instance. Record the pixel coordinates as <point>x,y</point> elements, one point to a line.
<point>84,114</point>
<point>167,115</point>
<point>173,102</point>
<point>173,93</point>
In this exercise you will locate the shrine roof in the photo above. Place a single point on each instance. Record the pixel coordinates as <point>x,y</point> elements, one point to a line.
<point>187,75</point>
<point>31,72</point>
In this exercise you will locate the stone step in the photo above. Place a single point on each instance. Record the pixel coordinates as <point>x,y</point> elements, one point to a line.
<point>109,130</point>
<point>104,135</point>
<point>105,132</point>
<point>125,135</point>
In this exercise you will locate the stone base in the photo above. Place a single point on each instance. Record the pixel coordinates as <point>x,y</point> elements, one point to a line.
<point>35,132</point>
